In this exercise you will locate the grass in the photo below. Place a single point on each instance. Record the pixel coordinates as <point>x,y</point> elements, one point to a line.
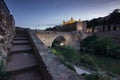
<point>66,54</point>
<point>68,65</point>
<point>105,63</point>
<point>97,76</point>
<point>109,64</point>
<point>69,54</point>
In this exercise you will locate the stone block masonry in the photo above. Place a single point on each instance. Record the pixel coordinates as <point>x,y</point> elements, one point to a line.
<point>71,38</point>
<point>7,30</point>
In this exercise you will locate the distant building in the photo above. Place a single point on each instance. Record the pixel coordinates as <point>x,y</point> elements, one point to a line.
<point>70,26</point>
<point>73,25</point>
<point>112,27</point>
<point>70,21</point>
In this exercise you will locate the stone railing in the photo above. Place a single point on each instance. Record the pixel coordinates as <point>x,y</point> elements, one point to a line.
<point>51,68</point>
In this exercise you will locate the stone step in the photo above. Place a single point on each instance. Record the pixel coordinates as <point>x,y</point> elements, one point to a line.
<point>28,75</point>
<point>21,35</point>
<point>20,48</point>
<point>21,42</point>
<point>21,62</point>
<point>20,70</point>
<point>21,38</point>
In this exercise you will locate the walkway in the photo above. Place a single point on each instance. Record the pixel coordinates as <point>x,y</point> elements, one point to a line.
<point>22,64</point>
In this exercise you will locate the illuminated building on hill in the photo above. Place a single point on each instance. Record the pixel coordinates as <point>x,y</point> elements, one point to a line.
<point>73,25</point>
<point>70,21</point>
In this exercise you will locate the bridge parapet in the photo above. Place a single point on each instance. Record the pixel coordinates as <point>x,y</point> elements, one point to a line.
<point>50,66</point>
<point>51,32</point>
<point>71,38</point>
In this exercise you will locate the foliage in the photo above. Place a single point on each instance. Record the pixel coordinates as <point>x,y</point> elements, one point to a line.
<point>70,55</point>
<point>86,59</point>
<point>92,24</point>
<point>88,42</point>
<point>3,74</point>
<point>112,18</point>
<point>115,16</point>
<point>106,49</point>
<point>68,65</point>
<point>101,46</point>
<point>97,76</point>
<point>67,52</point>
<point>104,62</point>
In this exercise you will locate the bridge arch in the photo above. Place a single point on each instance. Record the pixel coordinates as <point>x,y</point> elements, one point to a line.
<point>58,41</point>
<point>71,38</point>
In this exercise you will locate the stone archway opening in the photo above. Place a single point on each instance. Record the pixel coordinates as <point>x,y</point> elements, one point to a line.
<point>58,41</point>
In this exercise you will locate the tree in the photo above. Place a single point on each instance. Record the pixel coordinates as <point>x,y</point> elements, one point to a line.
<point>93,23</point>
<point>104,23</point>
<point>115,16</point>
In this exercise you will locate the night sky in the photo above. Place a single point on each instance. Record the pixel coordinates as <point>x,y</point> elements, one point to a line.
<point>46,13</point>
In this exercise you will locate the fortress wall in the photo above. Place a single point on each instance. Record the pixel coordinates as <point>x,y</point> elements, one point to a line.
<point>7,30</point>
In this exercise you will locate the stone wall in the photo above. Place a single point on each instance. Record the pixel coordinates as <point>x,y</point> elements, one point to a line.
<point>50,67</point>
<point>7,30</point>
<point>4,7</point>
<point>71,38</point>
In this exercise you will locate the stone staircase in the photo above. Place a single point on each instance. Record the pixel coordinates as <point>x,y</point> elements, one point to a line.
<point>22,64</point>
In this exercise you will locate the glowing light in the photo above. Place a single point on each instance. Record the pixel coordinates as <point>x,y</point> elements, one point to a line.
<point>61,44</point>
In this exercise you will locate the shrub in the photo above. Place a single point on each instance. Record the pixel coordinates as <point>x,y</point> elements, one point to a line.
<point>3,73</point>
<point>105,46</point>
<point>97,76</point>
<point>68,65</point>
<point>88,42</point>
<point>67,52</point>
<point>101,46</point>
<point>86,59</point>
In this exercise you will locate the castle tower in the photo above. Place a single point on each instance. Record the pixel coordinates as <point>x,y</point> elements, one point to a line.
<point>63,22</point>
<point>71,18</point>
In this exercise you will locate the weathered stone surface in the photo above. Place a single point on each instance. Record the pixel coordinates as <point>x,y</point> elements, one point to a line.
<point>71,38</point>
<point>3,53</point>
<point>50,66</point>
<point>1,37</point>
<point>7,31</point>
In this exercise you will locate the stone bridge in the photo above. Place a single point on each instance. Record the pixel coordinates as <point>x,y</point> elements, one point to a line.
<point>71,38</point>
<point>24,57</point>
